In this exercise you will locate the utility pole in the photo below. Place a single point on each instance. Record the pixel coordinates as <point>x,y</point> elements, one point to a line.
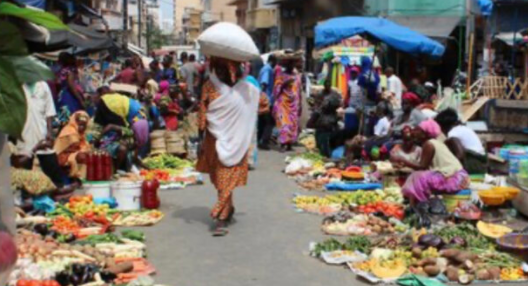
<point>149,38</point>
<point>140,14</point>
<point>125,24</point>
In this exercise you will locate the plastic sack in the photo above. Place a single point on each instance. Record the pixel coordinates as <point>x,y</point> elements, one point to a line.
<point>111,202</point>
<point>342,257</point>
<point>229,41</point>
<point>298,164</point>
<point>44,203</point>
<point>339,186</point>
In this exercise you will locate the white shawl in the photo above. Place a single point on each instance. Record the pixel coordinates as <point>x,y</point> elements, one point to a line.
<point>232,117</point>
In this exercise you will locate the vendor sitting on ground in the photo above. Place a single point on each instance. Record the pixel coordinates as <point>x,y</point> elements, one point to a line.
<point>71,145</point>
<point>463,142</point>
<point>411,115</point>
<point>116,113</point>
<point>407,150</point>
<point>438,171</point>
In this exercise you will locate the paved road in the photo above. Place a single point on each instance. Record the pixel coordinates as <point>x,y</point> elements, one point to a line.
<point>268,245</point>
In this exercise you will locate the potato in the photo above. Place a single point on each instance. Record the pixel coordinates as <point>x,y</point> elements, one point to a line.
<point>494,273</point>
<point>417,252</point>
<point>449,253</point>
<point>124,267</point>
<point>452,274</point>
<point>429,261</point>
<point>462,257</point>
<point>432,270</point>
<point>483,275</point>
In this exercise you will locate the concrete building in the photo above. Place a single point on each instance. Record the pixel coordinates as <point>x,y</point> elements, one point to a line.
<point>192,24</point>
<point>179,12</point>
<point>218,11</point>
<point>259,18</point>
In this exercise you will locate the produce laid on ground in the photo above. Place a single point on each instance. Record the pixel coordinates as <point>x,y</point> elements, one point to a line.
<point>333,203</point>
<point>76,244</point>
<point>455,253</point>
<point>349,224</point>
<point>166,161</point>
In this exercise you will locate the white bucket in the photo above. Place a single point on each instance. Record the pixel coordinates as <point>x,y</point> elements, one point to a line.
<point>97,189</point>
<point>127,195</point>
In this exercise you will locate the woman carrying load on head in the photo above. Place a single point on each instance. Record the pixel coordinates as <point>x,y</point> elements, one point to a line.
<point>227,113</point>
<point>287,107</point>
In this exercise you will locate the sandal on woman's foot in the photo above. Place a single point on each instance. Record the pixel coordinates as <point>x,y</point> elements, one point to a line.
<point>220,230</point>
<point>231,214</point>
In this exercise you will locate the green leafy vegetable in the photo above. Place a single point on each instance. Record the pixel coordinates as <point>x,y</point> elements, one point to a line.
<point>133,234</point>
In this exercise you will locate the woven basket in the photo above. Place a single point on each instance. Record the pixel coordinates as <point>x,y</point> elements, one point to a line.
<point>177,148</point>
<point>157,134</point>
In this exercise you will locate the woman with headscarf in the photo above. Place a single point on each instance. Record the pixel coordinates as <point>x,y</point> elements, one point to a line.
<point>117,113</point>
<point>287,106</point>
<point>227,116</point>
<point>70,98</point>
<point>411,116</point>
<point>71,145</point>
<point>438,171</point>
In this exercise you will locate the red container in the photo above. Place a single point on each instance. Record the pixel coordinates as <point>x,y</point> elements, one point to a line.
<point>149,194</point>
<point>89,166</point>
<point>98,168</point>
<point>107,160</point>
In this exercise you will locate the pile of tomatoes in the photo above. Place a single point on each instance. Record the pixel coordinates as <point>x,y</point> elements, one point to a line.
<point>160,175</point>
<point>388,209</point>
<point>37,283</point>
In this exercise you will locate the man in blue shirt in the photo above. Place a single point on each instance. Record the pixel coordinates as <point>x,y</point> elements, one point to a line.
<point>266,121</point>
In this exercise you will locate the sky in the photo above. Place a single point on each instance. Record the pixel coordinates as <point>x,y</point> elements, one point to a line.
<point>166,7</point>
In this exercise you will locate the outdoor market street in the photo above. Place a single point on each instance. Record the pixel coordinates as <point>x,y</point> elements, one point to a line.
<point>268,245</point>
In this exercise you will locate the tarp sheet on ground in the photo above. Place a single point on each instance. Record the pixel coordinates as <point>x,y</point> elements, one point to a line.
<point>398,37</point>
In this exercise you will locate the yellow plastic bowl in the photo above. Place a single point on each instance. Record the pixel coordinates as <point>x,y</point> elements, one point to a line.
<point>508,192</point>
<point>492,198</point>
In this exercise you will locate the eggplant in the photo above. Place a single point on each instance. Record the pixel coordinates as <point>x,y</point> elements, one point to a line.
<point>70,237</point>
<point>431,240</point>
<point>53,233</point>
<point>108,276</point>
<point>87,277</point>
<point>76,280</point>
<point>458,241</point>
<point>41,229</point>
<point>62,278</point>
<point>78,269</point>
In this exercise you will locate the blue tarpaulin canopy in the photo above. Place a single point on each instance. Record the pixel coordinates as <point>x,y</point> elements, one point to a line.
<point>398,37</point>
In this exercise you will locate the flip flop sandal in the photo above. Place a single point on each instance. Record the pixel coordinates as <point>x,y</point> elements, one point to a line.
<point>220,232</point>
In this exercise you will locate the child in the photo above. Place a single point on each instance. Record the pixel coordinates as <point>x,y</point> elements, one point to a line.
<point>382,127</point>
<point>170,110</point>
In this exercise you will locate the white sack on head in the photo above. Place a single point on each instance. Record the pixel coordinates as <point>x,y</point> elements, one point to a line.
<point>229,41</point>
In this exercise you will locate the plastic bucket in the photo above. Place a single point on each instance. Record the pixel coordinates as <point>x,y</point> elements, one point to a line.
<point>97,189</point>
<point>452,201</point>
<point>351,119</point>
<point>515,158</point>
<point>127,195</point>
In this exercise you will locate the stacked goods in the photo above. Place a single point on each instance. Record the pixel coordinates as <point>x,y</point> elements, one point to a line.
<point>158,144</point>
<point>176,142</point>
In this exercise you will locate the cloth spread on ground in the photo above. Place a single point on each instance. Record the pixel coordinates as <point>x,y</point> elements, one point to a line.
<point>230,118</point>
